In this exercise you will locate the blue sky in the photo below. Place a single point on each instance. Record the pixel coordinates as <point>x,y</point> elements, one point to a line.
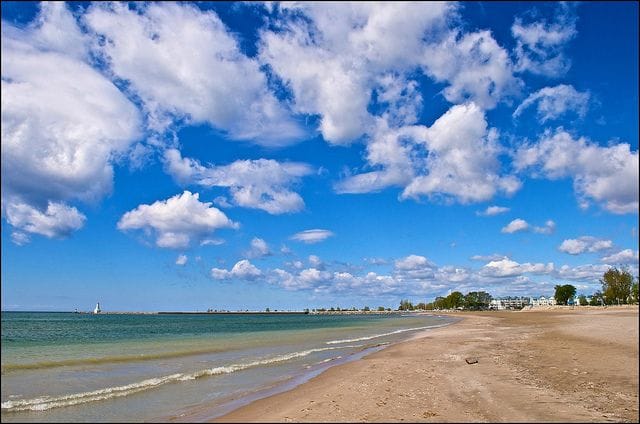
<point>242,156</point>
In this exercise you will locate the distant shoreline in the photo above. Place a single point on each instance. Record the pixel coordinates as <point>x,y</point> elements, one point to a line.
<point>349,312</point>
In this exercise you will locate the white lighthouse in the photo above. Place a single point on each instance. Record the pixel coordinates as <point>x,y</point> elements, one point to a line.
<point>97,309</point>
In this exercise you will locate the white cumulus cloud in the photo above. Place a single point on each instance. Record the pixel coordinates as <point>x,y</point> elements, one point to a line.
<point>553,102</point>
<point>333,60</point>
<point>548,228</point>
<point>63,123</point>
<point>57,220</point>
<point>312,236</point>
<point>626,256</point>
<point>263,184</point>
<point>181,260</point>
<point>508,268</point>
<point>456,159</point>
<point>515,226</point>
<point>493,210</point>
<point>210,81</point>
<point>177,221</point>
<point>540,47</point>
<point>258,248</point>
<point>412,262</point>
<point>584,244</point>
<point>475,66</point>
<point>606,175</point>
<point>242,270</point>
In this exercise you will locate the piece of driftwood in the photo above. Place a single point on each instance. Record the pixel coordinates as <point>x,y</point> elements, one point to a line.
<point>472,360</point>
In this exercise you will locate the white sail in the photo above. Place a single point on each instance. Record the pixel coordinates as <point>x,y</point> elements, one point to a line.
<point>97,309</point>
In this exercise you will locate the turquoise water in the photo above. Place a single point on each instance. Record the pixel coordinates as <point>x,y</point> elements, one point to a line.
<point>81,367</point>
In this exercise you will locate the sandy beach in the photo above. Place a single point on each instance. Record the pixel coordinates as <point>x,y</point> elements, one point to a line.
<point>551,365</point>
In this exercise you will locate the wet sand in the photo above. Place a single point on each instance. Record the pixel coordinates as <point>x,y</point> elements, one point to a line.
<point>553,365</point>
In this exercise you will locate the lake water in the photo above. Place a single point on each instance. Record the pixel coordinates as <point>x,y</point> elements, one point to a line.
<point>132,367</point>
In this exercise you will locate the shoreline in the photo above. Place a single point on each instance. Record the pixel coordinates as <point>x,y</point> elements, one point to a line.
<point>533,365</point>
<point>213,411</point>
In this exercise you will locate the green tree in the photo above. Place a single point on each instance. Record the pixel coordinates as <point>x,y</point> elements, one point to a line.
<point>405,305</point>
<point>564,293</point>
<point>634,291</point>
<point>455,300</point>
<point>616,285</point>
<point>366,308</point>
<point>477,300</point>
<point>380,308</point>
<point>582,299</point>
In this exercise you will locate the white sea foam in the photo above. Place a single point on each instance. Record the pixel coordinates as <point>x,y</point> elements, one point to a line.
<point>375,336</point>
<point>47,402</point>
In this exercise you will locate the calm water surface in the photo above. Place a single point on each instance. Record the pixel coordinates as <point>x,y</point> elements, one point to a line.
<point>81,367</point>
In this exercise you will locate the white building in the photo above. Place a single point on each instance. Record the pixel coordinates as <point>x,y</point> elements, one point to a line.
<point>542,301</point>
<point>509,302</point>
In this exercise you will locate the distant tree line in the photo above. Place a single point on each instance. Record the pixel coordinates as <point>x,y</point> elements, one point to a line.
<point>456,300</point>
<point>618,287</point>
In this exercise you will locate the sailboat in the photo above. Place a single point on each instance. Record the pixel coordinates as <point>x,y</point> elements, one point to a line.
<point>97,309</point>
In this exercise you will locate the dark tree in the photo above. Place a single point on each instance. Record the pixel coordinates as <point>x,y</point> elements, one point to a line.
<point>564,293</point>
<point>455,300</point>
<point>616,285</point>
<point>405,305</point>
<point>477,300</point>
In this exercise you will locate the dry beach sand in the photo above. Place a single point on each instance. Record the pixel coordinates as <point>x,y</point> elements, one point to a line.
<point>554,365</point>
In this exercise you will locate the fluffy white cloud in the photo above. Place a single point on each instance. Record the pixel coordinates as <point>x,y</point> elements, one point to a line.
<point>586,273</point>
<point>553,102</point>
<point>58,220</point>
<point>260,184</point>
<point>412,262</point>
<point>475,66</point>
<point>344,56</point>
<point>211,81</point>
<point>177,221</point>
<point>258,248</point>
<point>181,260</point>
<point>316,262</point>
<point>508,268</point>
<point>548,228</point>
<point>319,281</point>
<point>540,45</point>
<point>20,238</point>
<point>515,226</point>
<point>463,159</point>
<point>334,60</point>
<point>413,268</point>
<point>607,175</point>
<point>312,236</point>
<point>493,210</point>
<point>584,244</point>
<point>626,256</point>
<point>454,159</point>
<point>63,123</point>
<point>243,270</point>
<point>487,258</point>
